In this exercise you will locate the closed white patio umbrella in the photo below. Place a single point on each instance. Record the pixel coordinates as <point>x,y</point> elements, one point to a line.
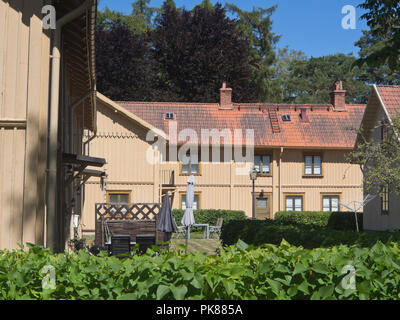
<point>188,218</point>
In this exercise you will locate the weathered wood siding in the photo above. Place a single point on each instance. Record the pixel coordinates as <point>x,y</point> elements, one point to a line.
<point>24,72</point>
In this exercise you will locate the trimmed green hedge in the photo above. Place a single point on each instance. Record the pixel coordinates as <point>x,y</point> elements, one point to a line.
<point>307,236</point>
<point>306,217</point>
<point>211,216</point>
<point>335,220</point>
<point>345,221</point>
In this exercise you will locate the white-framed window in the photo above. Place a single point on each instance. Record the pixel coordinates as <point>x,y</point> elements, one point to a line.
<point>195,201</point>
<point>262,164</point>
<point>294,203</point>
<point>313,165</point>
<point>119,197</point>
<point>330,203</point>
<point>191,167</point>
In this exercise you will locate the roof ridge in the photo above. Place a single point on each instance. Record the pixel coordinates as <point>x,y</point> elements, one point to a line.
<point>168,103</point>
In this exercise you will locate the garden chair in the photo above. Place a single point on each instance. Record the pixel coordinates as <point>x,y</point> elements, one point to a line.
<point>145,241</point>
<point>181,231</point>
<point>120,244</point>
<point>217,228</point>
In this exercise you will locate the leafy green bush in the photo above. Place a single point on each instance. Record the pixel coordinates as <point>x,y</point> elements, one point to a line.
<point>345,221</point>
<point>306,217</point>
<point>240,272</point>
<point>335,220</point>
<point>210,216</point>
<point>307,236</point>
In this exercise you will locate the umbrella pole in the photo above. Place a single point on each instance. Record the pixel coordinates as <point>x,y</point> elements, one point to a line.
<point>187,239</point>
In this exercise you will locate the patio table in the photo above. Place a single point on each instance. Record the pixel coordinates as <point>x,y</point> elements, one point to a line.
<point>206,228</point>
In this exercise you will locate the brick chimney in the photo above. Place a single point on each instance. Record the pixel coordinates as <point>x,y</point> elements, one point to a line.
<point>338,97</point>
<point>225,98</point>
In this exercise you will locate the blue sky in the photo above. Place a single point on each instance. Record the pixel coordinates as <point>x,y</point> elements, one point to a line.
<point>312,26</point>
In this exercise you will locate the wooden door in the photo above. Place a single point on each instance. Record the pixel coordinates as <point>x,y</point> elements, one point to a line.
<point>263,207</point>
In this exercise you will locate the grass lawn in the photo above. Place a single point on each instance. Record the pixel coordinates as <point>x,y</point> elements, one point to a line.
<point>207,246</point>
<point>197,243</point>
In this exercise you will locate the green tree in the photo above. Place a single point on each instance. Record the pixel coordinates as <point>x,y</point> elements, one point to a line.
<point>286,59</point>
<point>377,74</point>
<point>256,28</point>
<point>140,21</point>
<point>143,15</point>
<point>107,18</point>
<point>206,4</point>
<point>383,18</point>
<point>310,80</point>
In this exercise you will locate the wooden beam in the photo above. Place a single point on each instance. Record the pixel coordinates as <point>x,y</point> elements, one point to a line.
<point>13,123</point>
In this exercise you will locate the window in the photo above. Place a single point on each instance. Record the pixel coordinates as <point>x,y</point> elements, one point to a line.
<point>169,115</point>
<point>384,132</point>
<point>384,195</point>
<point>119,197</point>
<point>330,203</point>
<point>313,165</point>
<point>196,203</point>
<point>262,164</point>
<point>294,203</point>
<point>192,167</point>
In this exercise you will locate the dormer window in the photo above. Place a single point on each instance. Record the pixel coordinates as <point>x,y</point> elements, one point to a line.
<point>286,117</point>
<point>169,116</point>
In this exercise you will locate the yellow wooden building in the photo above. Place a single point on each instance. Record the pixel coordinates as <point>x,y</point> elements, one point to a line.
<point>299,152</point>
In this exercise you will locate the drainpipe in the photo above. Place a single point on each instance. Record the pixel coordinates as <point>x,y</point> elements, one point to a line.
<point>51,186</point>
<point>280,181</point>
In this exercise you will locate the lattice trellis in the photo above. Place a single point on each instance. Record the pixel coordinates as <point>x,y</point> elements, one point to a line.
<point>134,211</point>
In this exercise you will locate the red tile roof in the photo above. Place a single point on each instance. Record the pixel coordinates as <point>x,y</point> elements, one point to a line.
<point>325,128</point>
<point>390,96</point>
